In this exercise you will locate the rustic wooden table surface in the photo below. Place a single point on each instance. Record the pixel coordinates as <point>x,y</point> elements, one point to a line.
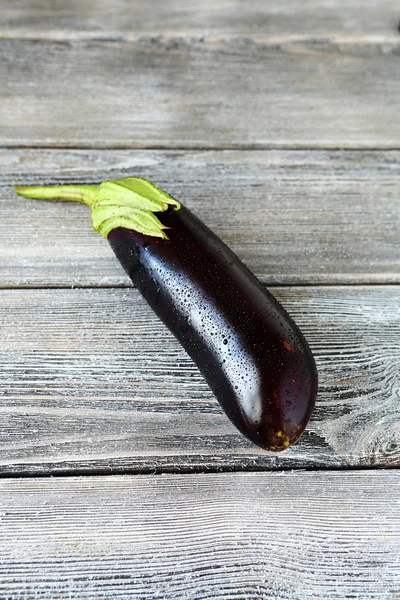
<point>277,123</point>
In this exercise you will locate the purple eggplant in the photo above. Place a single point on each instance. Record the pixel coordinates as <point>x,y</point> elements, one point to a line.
<point>251,353</point>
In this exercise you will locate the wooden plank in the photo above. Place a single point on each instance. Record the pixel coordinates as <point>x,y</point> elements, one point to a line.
<point>204,92</point>
<point>308,17</point>
<point>92,381</point>
<point>294,217</point>
<point>269,536</point>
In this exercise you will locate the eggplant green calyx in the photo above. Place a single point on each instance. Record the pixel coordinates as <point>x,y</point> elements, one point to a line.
<point>129,203</point>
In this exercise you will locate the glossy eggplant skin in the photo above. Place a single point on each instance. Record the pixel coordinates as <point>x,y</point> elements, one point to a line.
<point>251,353</point>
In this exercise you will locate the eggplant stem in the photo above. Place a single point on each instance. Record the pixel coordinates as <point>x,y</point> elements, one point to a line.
<point>130,203</point>
<point>74,193</point>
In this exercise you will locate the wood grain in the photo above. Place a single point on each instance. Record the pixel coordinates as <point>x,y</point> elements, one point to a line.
<point>91,381</point>
<point>295,217</point>
<point>269,536</point>
<point>308,17</point>
<point>200,92</point>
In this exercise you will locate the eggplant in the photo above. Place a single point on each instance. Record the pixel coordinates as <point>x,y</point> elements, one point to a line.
<point>249,350</point>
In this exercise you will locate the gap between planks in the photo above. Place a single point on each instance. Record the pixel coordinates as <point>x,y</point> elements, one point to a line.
<point>190,147</point>
<point>189,470</point>
<point>391,37</point>
<point>367,283</point>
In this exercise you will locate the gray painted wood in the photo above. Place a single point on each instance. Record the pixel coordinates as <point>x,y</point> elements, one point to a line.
<point>264,536</point>
<point>204,92</point>
<point>91,380</point>
<point>294,217</point>
<point>307,17</point>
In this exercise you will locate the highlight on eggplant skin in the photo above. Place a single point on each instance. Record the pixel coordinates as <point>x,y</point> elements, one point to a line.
<point>251,353</point>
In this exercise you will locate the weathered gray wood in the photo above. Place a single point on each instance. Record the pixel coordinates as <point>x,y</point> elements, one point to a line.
<point>90,379</point>
<point>269,536</point>
<point>308,17</point>
<point>204,92</point>
<point>292,216</point>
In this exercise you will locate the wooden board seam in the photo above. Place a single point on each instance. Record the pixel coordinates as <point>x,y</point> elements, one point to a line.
<point>190,147</point>
<point>59,35</point>
<point>128,285</point>
<point>188,470</point>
